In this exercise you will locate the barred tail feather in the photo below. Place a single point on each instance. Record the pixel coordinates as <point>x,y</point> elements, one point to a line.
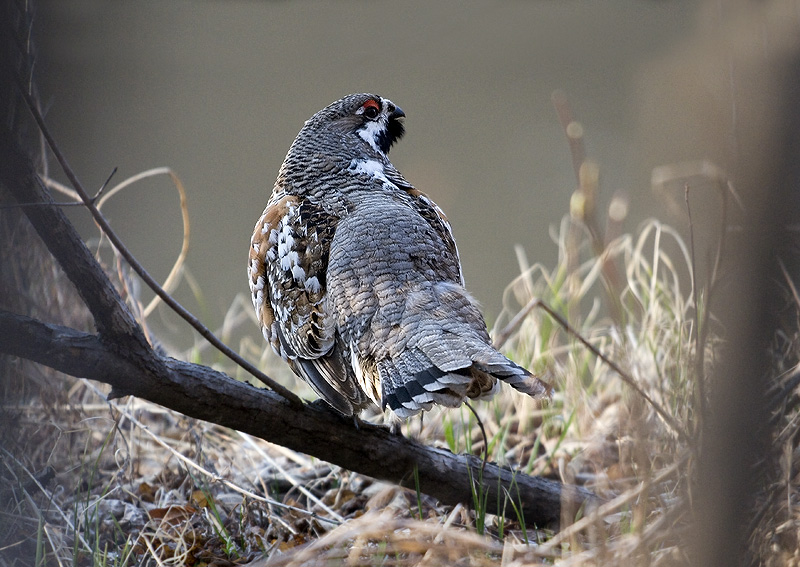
<point>447,370</point>
<point>408,394</point>
<point>515,376</point>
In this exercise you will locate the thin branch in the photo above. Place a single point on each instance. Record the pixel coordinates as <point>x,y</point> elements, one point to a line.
<point>111,316</point>
<point>627,378</point>
<point>515,322</point>
<point>139,269</point>
<point>69,192</point>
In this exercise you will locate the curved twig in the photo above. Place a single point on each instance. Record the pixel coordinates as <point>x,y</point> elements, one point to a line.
<point>184,313</point>
<point>628,379</point>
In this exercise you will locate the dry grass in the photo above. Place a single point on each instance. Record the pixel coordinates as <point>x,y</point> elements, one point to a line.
<point>91,482</point>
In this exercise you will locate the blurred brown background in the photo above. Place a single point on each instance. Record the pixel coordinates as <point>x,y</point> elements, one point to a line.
<point>218,90</point>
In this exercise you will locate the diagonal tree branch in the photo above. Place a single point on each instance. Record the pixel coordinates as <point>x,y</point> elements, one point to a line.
<point>119,355</point>
<point>204,393</point>
<point>123,250</point>
<point>112,317</point>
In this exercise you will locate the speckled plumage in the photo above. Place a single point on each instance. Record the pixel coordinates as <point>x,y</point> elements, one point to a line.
<point>356,280</point>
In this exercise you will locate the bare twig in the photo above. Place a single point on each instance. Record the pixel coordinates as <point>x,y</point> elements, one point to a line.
<point>112,317</point>
<point>515,322</point>
<point>76,203</point>
<point>140,270</point>
<point>627,378</point>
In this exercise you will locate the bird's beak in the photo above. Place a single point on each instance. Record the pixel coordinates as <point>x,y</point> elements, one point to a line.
<point>397,113</point>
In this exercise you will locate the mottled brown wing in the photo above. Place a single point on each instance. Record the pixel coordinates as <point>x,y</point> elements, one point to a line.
<point>286,289</point>
<point>288,263</point>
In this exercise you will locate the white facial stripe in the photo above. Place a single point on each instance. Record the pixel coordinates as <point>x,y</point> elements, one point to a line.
<point>370,132</point>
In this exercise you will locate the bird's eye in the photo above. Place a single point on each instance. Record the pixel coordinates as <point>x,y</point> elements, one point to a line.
<point>371,109</point>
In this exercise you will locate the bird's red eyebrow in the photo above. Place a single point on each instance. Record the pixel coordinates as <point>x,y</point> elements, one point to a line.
<point>371,103</point>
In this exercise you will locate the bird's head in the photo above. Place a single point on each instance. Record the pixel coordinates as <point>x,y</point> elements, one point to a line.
<point>367,122</point>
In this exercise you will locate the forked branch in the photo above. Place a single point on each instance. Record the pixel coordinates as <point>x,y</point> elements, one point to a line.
<point>101,221</point>
<point>120,355</point>
<point>204,393</point>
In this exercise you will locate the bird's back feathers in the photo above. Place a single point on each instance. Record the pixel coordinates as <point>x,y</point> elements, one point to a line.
<point>356,278</point>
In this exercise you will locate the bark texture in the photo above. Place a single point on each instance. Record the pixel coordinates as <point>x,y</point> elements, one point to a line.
<point>119,355</point>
